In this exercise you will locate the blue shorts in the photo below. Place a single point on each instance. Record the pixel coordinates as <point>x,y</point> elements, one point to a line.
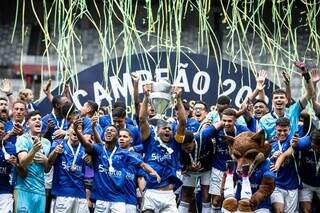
<point>28,202</point>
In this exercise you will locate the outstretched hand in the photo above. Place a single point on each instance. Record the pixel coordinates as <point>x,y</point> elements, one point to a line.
<point>135,78</point>
<point>47,87</point>
<point>286,77</point>
<point>147,89</point>
<point>77,125</point>
<point>302,66</point>
<point>6,86</point>
<point>315,75</point>
<point>94,119</point>
<point>260,79</point>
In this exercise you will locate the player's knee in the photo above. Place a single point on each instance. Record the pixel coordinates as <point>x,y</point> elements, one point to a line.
<point>216,201</point>
<point>278,209</point>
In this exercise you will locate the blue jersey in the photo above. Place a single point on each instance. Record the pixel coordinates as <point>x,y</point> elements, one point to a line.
<point>161,160</point>
<point>58,124</point>
<point>6,169</point>
<point>191,125</point>
<point>108,184</point>
<point>204,153</point>
<point>32,107</point>
<point>34,182</point>
<point>268,121</point>
<point>221,149</point>
<point>253,124</point>
<point>87,126</point>
<point>263,170</point>
<point>130,185</point>
<point>308,160</point>
<point>66,181</point>
<point>135,133</point>
<point>287,176</point>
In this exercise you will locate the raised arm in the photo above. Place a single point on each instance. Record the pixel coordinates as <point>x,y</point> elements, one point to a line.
<point>66,91</point>
<point>135,80</point>
<point>309,85</point>
<point>86,144</point>
<point>181,129</point>
<point>7,89</point>
<point>315,73</point>
<point>258,92</point>
<point>96,135</point>
<point>143,114</point>
<point>286,78</point>
<point>47,90</point>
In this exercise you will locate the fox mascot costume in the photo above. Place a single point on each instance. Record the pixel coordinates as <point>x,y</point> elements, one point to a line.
<point>248,187</point>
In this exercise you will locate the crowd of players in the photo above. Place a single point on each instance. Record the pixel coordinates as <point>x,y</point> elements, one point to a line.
<point>93,160</point>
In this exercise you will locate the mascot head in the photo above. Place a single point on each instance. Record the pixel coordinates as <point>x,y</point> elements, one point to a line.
<point>248,148</point>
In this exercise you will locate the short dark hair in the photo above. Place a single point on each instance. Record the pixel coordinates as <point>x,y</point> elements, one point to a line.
<point>56,100</point>
<point>93,106</point>
<point>279,92</point>
<point>104,109</point>
<point>32,113</point>
<point>67,109</point>
<point>4,99</point>
<point>119,112</point>
<point>315,136</point>
<point>188,137</point>
<point>119,103</point>
<point>230,112</point>
<point>260,101</point>
<point>223,99</point>
<point>126,130</point>
<point>203,103</point>
<point>283,121</point>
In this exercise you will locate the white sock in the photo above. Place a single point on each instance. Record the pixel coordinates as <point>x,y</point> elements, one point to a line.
<point>206,207</point>
<point>184,207</point>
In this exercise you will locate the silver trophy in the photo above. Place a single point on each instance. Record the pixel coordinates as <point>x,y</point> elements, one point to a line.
<point>160,99</point>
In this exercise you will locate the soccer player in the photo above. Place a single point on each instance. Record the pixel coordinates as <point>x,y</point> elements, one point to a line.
<point>162,152</point>
<point>309,159</point>
<point>285,196</point>
<point>68,185</point>
<point>54,124</point>
<point>221,154</point>
<point>196,159</point>
<point>16,126</point>
<point>32,152</point>
<point>110,164</point>
<point>279,102</point>
<point>134,175</point>
<point>7,161</point>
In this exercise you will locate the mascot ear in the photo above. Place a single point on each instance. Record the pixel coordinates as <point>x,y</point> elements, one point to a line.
<point>228,139</point>
<point>259,138</point>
